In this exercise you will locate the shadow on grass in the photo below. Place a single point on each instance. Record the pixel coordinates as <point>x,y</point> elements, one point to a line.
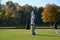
<point>48,35</point>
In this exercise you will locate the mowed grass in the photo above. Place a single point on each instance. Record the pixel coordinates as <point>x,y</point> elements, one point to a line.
<point>22,34</point>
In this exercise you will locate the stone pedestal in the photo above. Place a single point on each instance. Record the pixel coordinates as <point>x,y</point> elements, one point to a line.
<point>32,29</point>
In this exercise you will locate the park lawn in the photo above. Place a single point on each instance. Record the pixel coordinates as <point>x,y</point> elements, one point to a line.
<point>22,34</point>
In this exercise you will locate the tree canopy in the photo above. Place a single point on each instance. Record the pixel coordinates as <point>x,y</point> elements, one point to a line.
<point>50,13</point>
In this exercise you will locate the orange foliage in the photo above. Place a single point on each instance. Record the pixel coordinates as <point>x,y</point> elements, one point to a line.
<point>50,13</point>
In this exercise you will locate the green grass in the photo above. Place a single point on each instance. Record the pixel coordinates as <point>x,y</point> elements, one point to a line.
<point>22,34</point>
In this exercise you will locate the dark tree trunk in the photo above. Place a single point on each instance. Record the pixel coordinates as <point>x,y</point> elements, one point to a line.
<point>27,24</point>
<point>55,25</point>
<point>27,20</point>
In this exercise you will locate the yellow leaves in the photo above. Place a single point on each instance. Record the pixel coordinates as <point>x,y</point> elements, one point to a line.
<point>49,14</point>
<point>44,21</point>
<point>6,14</point>
<point>1,16</point>
<point>0,13</point>
<point>12,16</point>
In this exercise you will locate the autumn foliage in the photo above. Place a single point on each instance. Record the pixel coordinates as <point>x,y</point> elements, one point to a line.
<point>50,13</point>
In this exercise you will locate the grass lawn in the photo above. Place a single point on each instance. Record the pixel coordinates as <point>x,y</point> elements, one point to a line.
<point>22,34</point>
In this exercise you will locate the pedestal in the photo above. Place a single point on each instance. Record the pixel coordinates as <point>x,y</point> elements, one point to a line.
<point>33,29</point>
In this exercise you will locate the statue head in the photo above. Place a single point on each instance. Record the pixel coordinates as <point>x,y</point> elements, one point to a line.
<point>32,13</point>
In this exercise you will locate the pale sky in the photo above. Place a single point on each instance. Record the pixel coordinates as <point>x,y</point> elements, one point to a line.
<point>37,3</point>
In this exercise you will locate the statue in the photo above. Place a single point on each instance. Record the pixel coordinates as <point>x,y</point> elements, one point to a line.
<point>32,23</point>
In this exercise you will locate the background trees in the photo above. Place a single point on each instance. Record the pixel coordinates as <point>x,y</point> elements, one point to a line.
<point>38,12</point>
<point>28,9</point>
<point>50,14</point>
<point>13,14</point>
<point>9,14</point>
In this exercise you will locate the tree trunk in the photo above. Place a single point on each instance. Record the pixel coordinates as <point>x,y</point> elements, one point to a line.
<point>28,23</point>
<point>27,26</point>
<point>55,25</point>
<point>50,24</point>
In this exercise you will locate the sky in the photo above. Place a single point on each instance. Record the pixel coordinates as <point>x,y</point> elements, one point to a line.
<point>37,3</point>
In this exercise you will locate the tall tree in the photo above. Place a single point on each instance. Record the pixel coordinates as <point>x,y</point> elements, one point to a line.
<point>2,14</point>
<point>28,10</point>
<point>59,15</point>
<point>13,12</point>
<point>38,12</point>
<point>50,14</point>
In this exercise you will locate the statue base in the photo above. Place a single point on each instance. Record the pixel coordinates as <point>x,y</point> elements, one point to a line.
<point>32,29</point>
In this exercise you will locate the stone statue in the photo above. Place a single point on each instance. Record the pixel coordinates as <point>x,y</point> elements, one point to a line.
<point>32,23</point>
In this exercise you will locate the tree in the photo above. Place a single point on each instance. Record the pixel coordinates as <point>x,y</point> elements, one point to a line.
<point>12,13</point>
<point>38,12</point>
<point>28,10</point>
<point>2,14</point>
<point>9,4</point>
<point>50,14</point>
<point>1,17</point>
<point>59,15</point>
